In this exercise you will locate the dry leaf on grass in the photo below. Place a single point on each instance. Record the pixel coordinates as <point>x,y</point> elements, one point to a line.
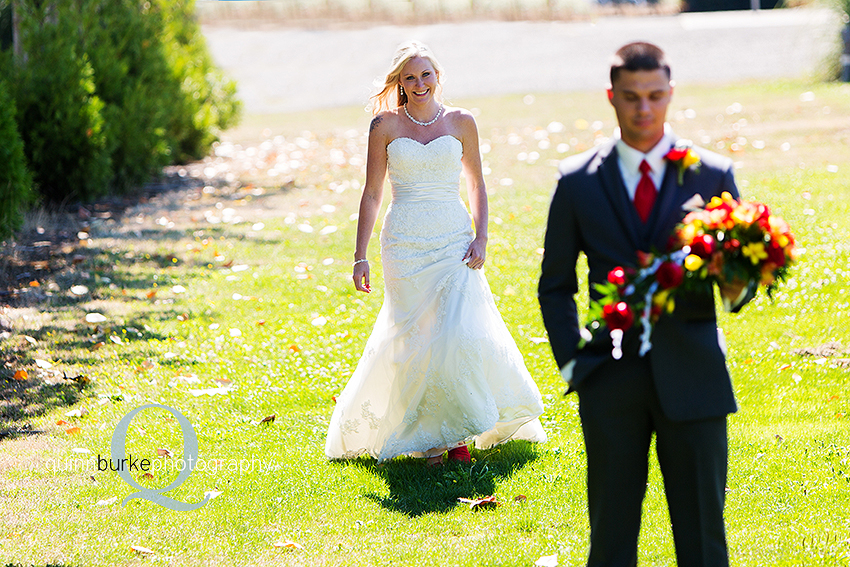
<point>268,419</point>
<point>141,549</point>
<point>21,375</point>
<point>288,544</point>
<point>480,503</point>
<point>547,561</point>
<point>164,453</point>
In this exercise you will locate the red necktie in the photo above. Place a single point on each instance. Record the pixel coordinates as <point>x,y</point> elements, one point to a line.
<point>645,192</point>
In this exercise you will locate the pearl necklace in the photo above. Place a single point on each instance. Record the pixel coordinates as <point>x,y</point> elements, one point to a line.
<point>415,121</point>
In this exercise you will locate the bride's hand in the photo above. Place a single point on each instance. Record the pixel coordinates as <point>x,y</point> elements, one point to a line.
<point>476,254</point>
<point>361,277</point>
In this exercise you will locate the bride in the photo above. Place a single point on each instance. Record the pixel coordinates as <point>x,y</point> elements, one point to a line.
<point>440,369</point>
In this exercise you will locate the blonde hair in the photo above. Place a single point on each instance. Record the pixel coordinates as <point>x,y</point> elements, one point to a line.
<point>391,94</point>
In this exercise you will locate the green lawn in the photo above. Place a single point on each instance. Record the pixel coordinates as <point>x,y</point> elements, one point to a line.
<point>234,303</point>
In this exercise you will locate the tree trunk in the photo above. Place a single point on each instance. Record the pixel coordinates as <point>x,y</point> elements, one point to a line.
<point>17,46</point>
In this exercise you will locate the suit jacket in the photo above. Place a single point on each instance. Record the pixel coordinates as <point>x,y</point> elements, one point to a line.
<point>591,212</point>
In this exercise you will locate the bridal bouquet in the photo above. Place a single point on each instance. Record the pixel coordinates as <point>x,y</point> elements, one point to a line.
<point>727,241</point>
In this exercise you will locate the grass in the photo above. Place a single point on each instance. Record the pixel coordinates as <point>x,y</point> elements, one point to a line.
<point>221,289</point>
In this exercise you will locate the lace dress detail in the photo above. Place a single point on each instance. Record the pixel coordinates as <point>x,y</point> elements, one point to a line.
<point>440,368</point>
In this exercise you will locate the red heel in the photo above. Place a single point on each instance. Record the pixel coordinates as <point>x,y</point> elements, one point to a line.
<point>460,454</point>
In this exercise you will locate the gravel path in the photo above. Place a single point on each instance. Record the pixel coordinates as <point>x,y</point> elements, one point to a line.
<point>282,69</point>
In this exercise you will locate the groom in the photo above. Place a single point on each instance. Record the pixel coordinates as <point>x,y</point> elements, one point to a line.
<point>611,202</point>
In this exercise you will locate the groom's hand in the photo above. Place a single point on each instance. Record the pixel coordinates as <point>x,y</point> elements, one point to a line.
<point>476,253</point>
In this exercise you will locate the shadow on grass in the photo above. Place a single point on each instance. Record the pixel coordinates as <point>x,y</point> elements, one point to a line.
<point>23,400</point>
<point>417,489</point>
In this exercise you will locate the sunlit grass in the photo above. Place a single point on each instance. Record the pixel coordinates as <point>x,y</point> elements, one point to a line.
<point>261,315</point>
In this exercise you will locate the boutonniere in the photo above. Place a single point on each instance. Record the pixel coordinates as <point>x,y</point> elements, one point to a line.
<point>684,156</point>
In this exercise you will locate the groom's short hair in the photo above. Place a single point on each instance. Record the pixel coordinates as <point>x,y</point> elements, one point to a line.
<point>638,56</point>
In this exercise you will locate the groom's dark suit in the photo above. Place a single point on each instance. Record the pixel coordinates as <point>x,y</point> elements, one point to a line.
<point>680,390</point>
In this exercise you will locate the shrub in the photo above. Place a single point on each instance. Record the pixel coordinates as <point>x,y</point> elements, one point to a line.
<point>59,115</point>
<point>133,78</point>
<point>109,91</point>
<point>208,103</point>
<point>15,180</point>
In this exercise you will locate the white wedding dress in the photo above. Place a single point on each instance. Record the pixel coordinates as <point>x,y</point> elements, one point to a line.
<point>440,368</point>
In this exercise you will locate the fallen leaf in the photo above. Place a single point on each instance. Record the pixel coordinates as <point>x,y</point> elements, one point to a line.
<point>79,289</point>
<point>261,322</point>
<point>294,348</point>
<point>95,318</point>
<point>209,391</point>
<point>142,550</point>
<point>223,381</point>
<point>151,294</point>
<point>72,430</point>
<point>44,364</point>
<point>115,339</point>
<point>147,476</point>
<point>79,412</point>
<point>164,453</point>
<point>30,340</point>
<point>98,345</point>
<point>785,367</point>
<point>480,503</point>
<point>62,422</point>
<point>547,561</point>
<point>21,375</point>
<point>288,544</point>
<point>108,501</point>
<point>520,498</point>
<point>268,419</point>
<point>35,283</point>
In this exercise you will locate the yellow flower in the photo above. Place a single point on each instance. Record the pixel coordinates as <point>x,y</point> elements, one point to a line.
<point>755,252</point>
<point>691,158</point>
<point>694,262</point>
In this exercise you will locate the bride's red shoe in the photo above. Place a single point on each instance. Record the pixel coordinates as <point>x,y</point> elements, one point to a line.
<point>460,454</point>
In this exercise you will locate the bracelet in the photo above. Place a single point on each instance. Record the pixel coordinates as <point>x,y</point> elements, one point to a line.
<point>360,261</point>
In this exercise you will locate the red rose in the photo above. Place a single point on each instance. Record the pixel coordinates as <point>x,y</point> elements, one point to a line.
<point>617,276</point>
<point>676,155</point>
<point>775,254</point>
<point>618,316</point>
<point>703,246</point>
<point>645,258</point>
<point>732,245</point>
<point>669,274</point>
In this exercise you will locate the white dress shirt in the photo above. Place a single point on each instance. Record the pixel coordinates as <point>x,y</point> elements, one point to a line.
<point>629,160</point>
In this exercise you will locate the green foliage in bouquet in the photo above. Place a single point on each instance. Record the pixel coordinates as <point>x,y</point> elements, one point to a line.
<point>15,179</point>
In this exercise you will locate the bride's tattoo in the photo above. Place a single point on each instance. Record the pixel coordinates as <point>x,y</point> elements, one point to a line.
<point>375,121</point>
